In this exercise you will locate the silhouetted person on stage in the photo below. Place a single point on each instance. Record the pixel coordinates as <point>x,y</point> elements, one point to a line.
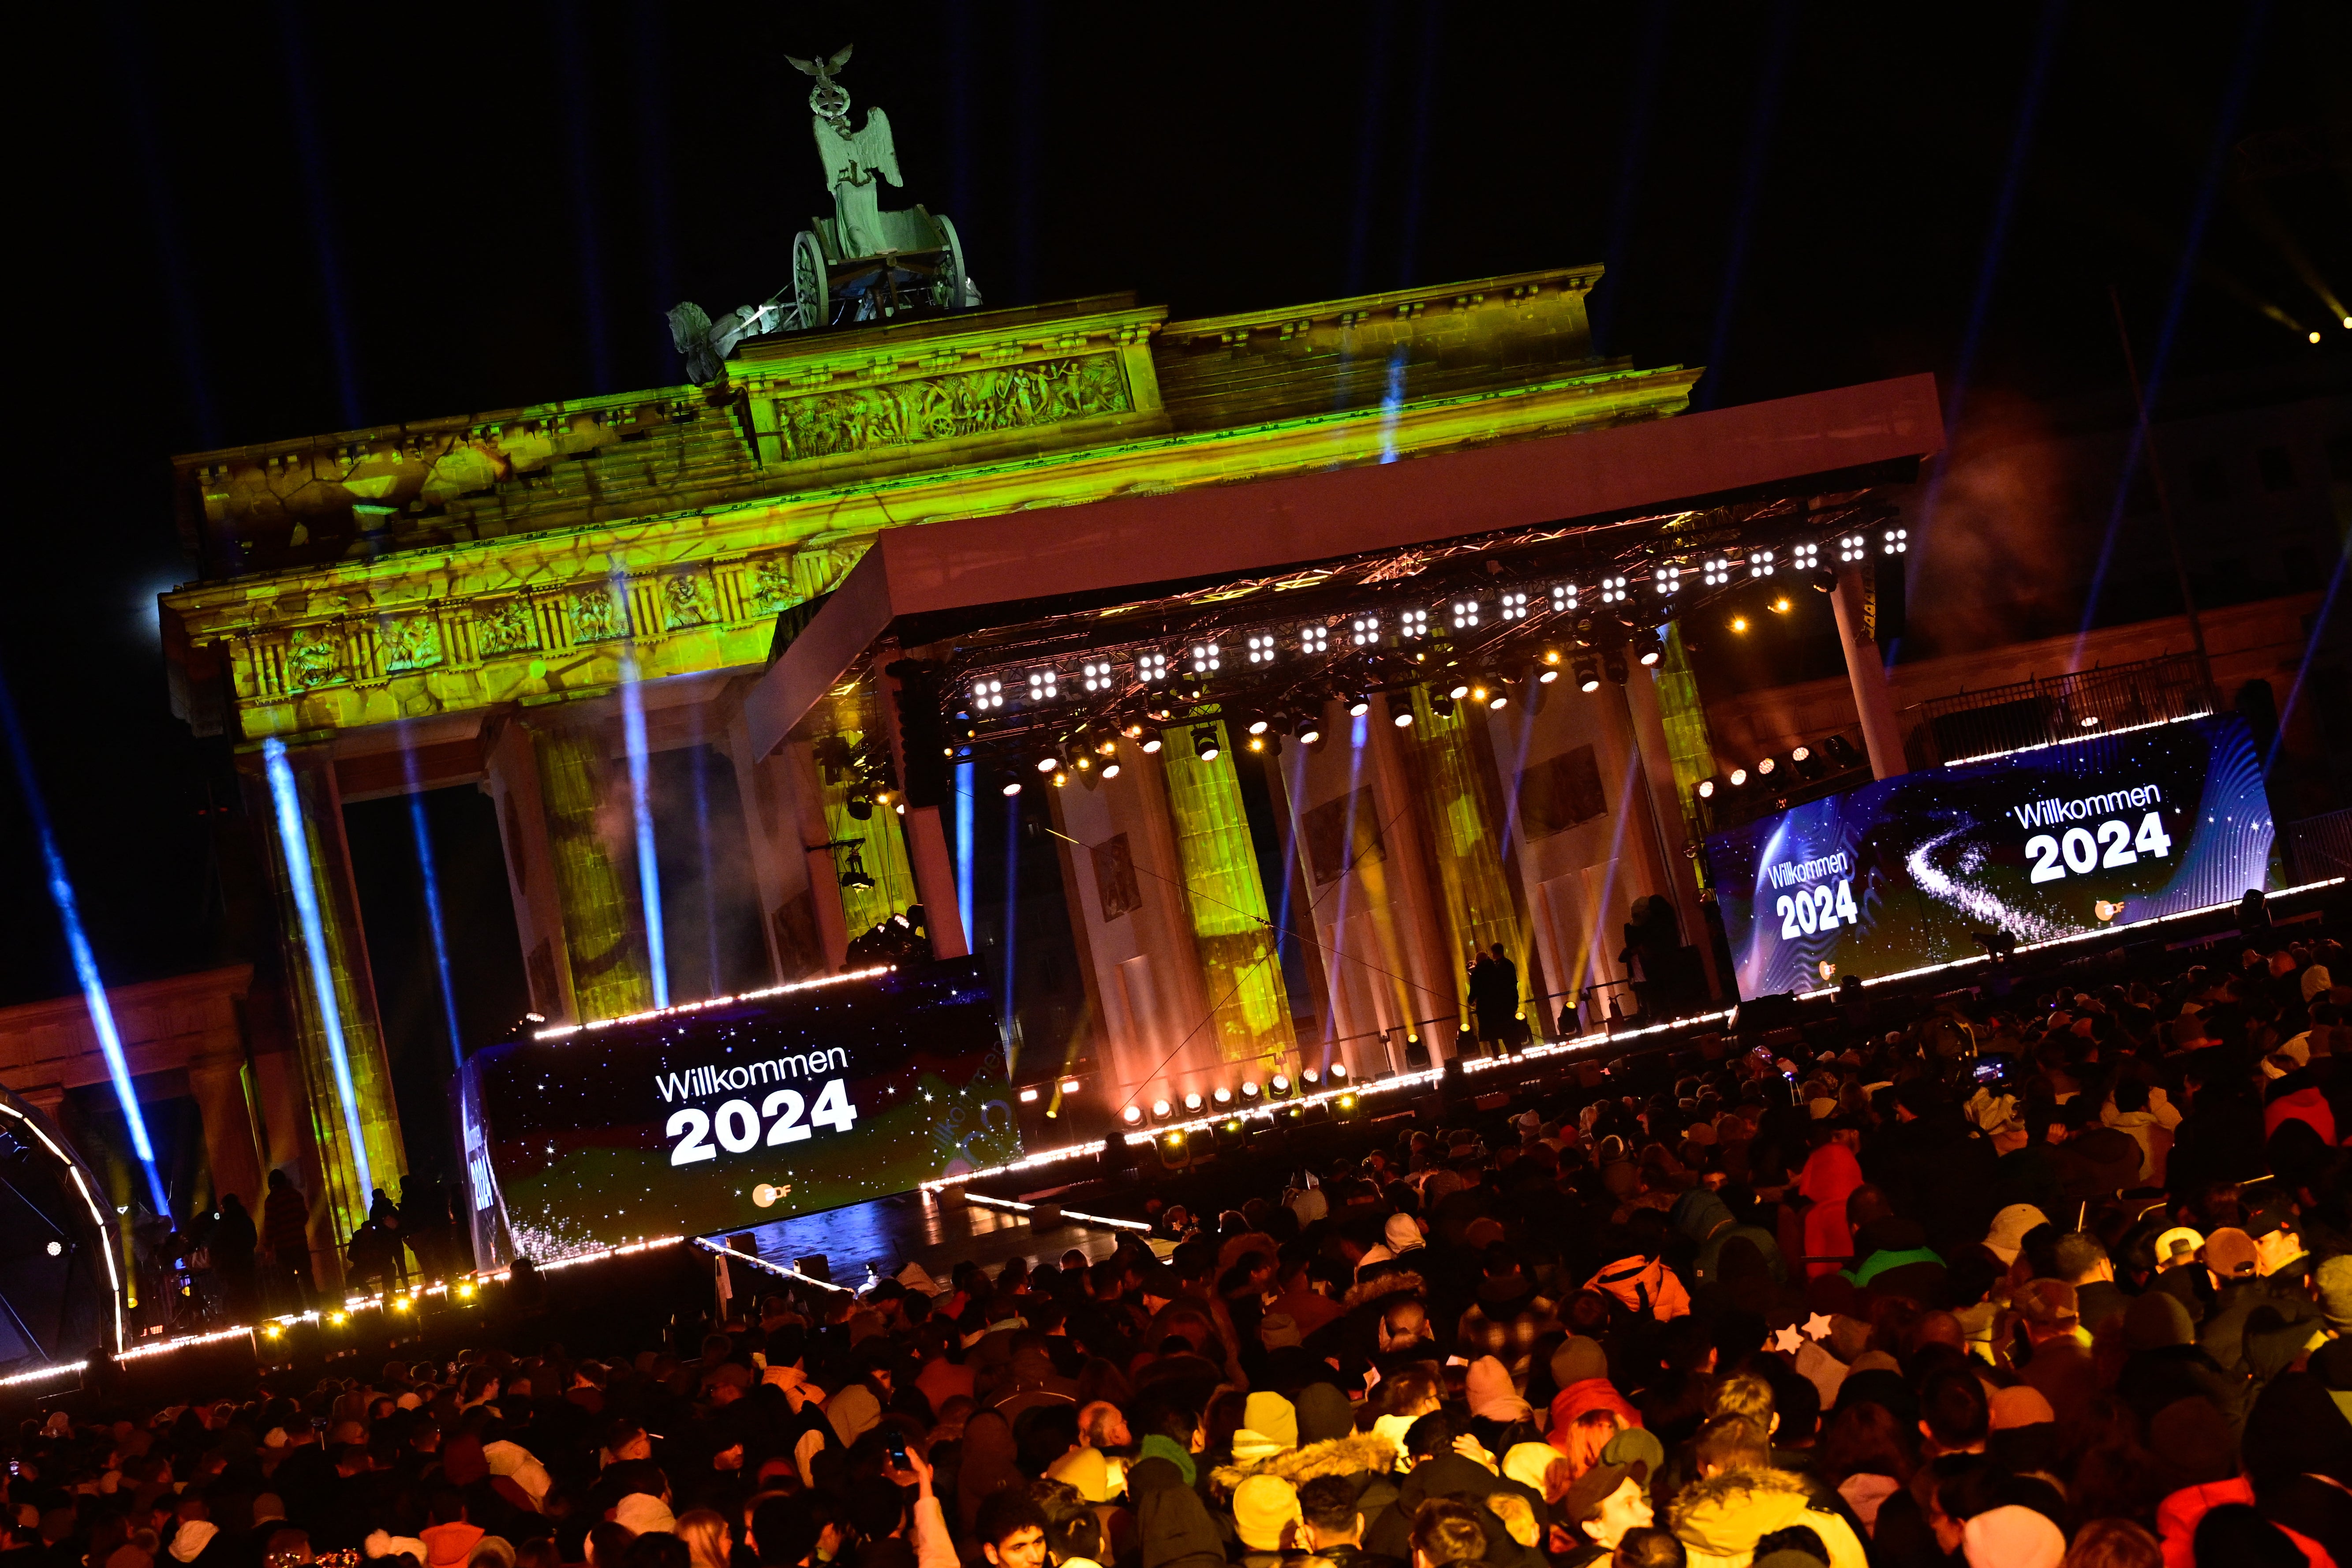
<point>233,1243</point>
<point>1494,998</point>
<point>286,1233</point>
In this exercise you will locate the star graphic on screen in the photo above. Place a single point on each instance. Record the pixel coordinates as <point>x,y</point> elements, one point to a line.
<point>1817,1327</point>
<point>1787,1341</point>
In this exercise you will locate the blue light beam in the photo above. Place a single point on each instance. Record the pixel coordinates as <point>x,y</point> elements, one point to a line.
<point>633,728</point>
<point>964,780</point>
<point>296,844</point>
<point>425,867</point>
<point>85,962</point>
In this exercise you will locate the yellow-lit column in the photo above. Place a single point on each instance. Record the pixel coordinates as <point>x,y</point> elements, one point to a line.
<point>1249,1009</point>
<point>1667,819</point>
<point>318,926</point>
<point>219,1085</point>
<point>589,846</point>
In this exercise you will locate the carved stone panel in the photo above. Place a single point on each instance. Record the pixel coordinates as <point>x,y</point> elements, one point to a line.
<point>935,408</point>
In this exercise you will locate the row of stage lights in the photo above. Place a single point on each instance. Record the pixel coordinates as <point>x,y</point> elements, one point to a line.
<point>989,695</point>
<point>1219,1101</point>
<point>1834,755</point>
<point>1263,732</point>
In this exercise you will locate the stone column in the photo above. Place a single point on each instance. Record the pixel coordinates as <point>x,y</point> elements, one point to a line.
<point>824,876</point>
<point>344,1008</point>
<point>1667,819</point>
<point>590,849</point>
<point>219,1086</point>
<point>1436,996</point>
<point>779,866</point>
<point>514,789</point>
<point>935,881</point>
<point>1125,884</point>
<point>1882,735</point>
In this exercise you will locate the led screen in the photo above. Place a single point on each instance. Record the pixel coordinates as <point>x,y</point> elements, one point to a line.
<point>735,1114</point>
<point>2041,843</point>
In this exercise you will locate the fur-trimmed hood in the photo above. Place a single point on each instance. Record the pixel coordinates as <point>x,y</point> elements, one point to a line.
<point>1358,1453</point>
<point>1403,1282</point>
<point>1721,1518</point>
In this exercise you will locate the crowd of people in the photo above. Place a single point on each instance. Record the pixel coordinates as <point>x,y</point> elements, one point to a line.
<point>2050,1278</point>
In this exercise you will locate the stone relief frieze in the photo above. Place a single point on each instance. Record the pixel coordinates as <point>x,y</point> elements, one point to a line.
<point>934,408</point>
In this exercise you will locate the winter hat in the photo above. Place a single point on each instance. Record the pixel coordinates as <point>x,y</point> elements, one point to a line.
<point>2156,1320</point>
<point>1529,1463</point>
<point>1269,1426</point>
<point>2009,1230</point>
<point>1084,1470</point>
<point>1596,1486</point>
<point>193,1536</point>
<point>1490,1394</point>
<point>2013,1537</point>
<point>1264,1507</point>
<point>2022,1406</point>
<point>852,1411</point>
<point>2335,1279</point>
<point>1324,1414</point>
<point>1403,1233</point>
<point>1578,1359</point>
<point>642,1513</point>
<point>2229,1253</point>
<point>1635,1444</point>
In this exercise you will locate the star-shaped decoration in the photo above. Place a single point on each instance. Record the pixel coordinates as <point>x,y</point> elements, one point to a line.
<point>1817,1327</point>
<point>1787,1341</point>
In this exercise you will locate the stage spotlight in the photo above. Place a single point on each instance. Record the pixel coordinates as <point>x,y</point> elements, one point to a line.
<point>1192,1104</point>
<point>2315,337</point>
<point>1310,730</point>
<point>1548,674</point>
<point>1781,607</point>
<point>1161,1110</point>
<point>1809,763</point>
<point>1707,789</point>
<point>1738,778</point>
<point>1588,675</point>
<point>1222,1096</point>
<point>1739,622</point>
<point>1310,1077</point>
<point>859,806</point>
<point>1842,753</point>
<point>1249,1088</point>
<point>1152,742</point>
<point>1028,1097</point>
<point>1048,763</point>
<point>1496,697</point>
<point>1204,743</point>
<point>1359,705</point>
<point>1279,1086</point>
<point>1404,719</point>
<point>1133,1114</point>
<point>1012,787</point>
<point>1338,1071</point>
<point>1765,766</point>
<point>1259,725</point>
<point>1823,580</point>
<point>1440,703</point>
<point>1110,770</point>
<point>1612,663</point>
<point>1458,688</point>
<point>1648,648</point>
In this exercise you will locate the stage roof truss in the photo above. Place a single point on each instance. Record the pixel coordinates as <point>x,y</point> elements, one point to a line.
<point>1620,577</point>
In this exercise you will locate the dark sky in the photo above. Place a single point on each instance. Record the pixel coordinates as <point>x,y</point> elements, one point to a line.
<point>246,223</point>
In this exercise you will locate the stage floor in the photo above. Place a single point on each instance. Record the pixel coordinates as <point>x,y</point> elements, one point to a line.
<point>891,1233</point>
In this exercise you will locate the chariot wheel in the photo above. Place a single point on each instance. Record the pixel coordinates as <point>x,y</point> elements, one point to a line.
<point>947,292</point>
<point>812,296</point>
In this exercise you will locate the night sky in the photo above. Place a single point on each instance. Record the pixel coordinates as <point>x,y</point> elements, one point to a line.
<point>251,223</point>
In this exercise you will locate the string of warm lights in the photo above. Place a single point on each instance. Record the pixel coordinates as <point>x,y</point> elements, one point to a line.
<point>563,1031</point>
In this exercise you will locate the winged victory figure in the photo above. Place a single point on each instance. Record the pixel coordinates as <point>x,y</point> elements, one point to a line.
<point>855,161</point>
